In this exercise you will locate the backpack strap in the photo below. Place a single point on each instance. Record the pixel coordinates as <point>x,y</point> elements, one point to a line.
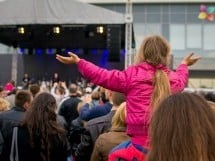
<point>14,146</point>
<point>1,142</point>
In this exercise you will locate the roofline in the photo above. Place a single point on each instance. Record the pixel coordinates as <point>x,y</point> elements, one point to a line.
<point>146,1</point>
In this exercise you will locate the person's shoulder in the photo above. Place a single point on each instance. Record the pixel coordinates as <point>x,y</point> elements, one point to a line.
<point>12,114</point>
<point>69,100</point>
<point>99,120</point>
<point>6,113</point>
<point>122,145</point>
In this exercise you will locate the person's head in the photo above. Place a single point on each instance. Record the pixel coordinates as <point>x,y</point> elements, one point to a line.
<point>23,99</point>
<point>95,95</point>
<point>118,120</point>
<point>55,75</point>
<point>108,95</point>
<point>12,82</point>
<point>118,98</point>
<point>155,50</point>
<point>88,90</point>
<point>73,88</point>
<point>4,105</point>
<point>182,129</point>
<point>59,90</point>
<point>34,89</point>
<point>41,120</point>
<point>43,107</point>
<point>3,93</point>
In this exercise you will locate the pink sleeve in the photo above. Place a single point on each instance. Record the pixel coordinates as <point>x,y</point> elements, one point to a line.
<point>111,79</point>
<point>179,78</point>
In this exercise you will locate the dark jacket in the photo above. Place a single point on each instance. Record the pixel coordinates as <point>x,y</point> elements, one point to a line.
<point>93,129</point>
<point>88,113</point>
<point>59,149</point>
<point>10,119</point>
<point>68,109</point>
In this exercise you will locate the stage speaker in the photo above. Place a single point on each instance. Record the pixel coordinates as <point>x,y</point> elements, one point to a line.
<point>114,42</point>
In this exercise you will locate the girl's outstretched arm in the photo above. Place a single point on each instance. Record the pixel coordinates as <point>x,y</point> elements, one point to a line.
<point>179,78</point>
<point>111,79</point>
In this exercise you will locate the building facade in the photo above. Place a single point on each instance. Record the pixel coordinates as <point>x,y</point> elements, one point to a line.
<point>179,22</point>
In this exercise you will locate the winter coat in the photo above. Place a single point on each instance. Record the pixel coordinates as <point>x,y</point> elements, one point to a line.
<point>136,82</point>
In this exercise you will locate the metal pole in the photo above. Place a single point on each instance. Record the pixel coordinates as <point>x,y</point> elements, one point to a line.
<point>128,33</point>
<point>14,66</point>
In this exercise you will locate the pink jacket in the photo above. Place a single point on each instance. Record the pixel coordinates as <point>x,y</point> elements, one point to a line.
<point>136,83</point>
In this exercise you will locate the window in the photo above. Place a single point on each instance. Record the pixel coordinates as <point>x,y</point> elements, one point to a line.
<point>177,37</point>
<point>208,39</point>
<point>194,36</point>
<point>141,30</point>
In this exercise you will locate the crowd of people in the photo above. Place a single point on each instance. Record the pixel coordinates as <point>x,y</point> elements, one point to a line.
<point>139,114</point>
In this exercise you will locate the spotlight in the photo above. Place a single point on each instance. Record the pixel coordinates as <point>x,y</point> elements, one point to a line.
<point>56,30</point>
<point>21,30</point>
<point>100,29</point>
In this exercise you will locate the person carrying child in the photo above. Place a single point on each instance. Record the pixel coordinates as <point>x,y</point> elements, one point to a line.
<point>144,84</point>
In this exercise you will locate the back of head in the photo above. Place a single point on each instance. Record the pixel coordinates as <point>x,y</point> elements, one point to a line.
<point>4,105</point>
<point>155,50</point>
<point>117,98</point>
<point>118,120</point>
<point>182,129</point>
<point>73,88</point>
<point>44,105</point>
<point>22,97</point>
<point>34,89</point>
<point>95,95</point>
<point>41,120</point>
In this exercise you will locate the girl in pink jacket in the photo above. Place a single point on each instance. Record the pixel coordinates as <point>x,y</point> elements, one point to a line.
<point>145,84</point>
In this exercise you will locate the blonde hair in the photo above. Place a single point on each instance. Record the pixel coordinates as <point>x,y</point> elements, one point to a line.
<point>161,88</point>
<point>118,120</point>
<point>4,105</point>
<point>155,50</point>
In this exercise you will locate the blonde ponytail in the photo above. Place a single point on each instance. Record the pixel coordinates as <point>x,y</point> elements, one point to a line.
<point>161,88</point>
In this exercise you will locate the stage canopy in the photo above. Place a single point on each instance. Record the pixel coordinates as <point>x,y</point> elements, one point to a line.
<point>56,24</point>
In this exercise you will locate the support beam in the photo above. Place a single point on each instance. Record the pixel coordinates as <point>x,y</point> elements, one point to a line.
<point>128,34</point>
<point>14,66</point>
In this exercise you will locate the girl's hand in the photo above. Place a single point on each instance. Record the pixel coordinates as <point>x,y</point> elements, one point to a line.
<point>190,59</point>
<point>72,59</point>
